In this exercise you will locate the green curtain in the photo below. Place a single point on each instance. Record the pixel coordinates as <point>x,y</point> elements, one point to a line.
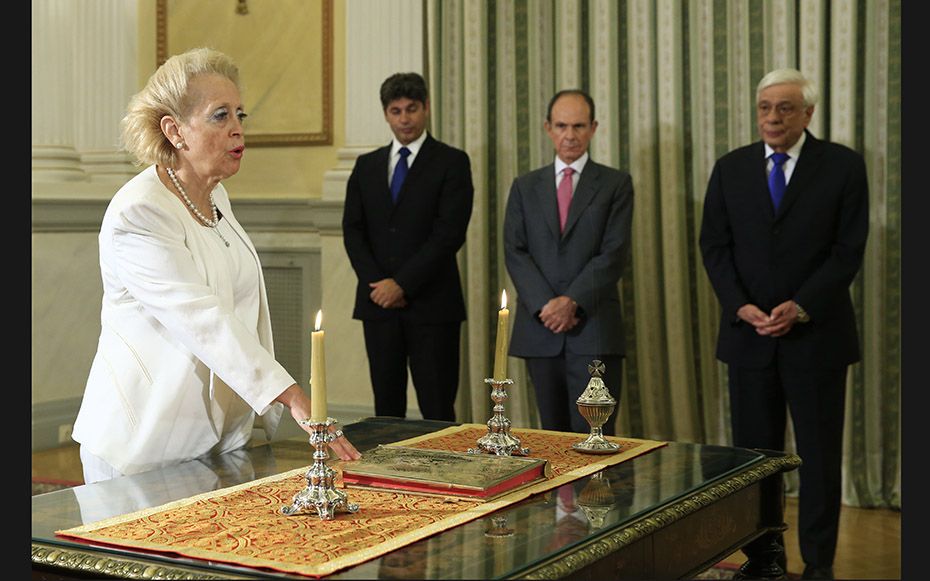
<point>674,85</point>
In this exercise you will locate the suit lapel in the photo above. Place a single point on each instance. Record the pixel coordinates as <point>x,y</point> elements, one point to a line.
<point>546,198</point>
<point>759,179</point>
<point>584,193</point>
<point>382,194</point>
<point>804,171</point>
<point>420,166</point>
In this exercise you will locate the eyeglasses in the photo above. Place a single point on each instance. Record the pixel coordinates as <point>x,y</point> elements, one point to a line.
<point>783,109</point>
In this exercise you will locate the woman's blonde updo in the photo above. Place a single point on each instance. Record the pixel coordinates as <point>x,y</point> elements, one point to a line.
<point>165,93</point>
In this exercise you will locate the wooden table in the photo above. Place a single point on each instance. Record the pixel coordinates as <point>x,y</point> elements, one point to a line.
<point>670,513</point>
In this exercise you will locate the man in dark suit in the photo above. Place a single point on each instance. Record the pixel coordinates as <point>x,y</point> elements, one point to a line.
<point>566,240</point>
<point>781,270</point>
<point>406,212</point>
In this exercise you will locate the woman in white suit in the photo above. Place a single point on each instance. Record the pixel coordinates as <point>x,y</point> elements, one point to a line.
<point>185,358</point>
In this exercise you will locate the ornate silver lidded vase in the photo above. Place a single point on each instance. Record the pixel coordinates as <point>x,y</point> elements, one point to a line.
<point>595,405</point>
<point>596,499</point>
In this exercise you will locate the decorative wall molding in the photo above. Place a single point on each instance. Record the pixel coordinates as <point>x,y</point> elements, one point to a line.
<point>255,214</point>
<point>67,215</point>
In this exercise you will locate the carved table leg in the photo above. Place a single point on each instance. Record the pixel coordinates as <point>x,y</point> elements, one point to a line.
<point>766,559</point>
<point>766,554</point>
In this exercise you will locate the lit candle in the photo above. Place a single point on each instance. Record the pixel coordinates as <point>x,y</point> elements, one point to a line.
<point>500,353</point>
<point>317,373</point>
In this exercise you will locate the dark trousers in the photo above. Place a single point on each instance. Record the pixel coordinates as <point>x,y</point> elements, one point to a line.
<point>559,382</point>
<point>816,399</point>
<point>431,351</point>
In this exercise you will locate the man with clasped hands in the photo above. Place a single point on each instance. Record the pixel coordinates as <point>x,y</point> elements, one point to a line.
<point>784,230</point>
<point>406,213</point>
<point>566,240</point>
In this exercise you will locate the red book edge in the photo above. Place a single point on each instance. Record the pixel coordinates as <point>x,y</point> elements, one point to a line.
<point>379,482</point>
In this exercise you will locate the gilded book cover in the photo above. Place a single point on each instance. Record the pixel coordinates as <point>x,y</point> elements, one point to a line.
<point>438,472</point>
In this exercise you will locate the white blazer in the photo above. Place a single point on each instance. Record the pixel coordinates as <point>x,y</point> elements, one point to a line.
<point>172,355</point>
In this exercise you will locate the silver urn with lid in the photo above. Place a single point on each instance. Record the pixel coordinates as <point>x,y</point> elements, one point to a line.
<point>595,405</point>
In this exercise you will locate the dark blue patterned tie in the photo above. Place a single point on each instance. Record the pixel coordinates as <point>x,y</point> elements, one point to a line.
<point>777,178</point>
<point>400,172</point>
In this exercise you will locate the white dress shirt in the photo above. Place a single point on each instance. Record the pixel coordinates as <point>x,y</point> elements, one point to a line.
<point>788,166</point>
<point>414,147</point>
<point>577,165</point>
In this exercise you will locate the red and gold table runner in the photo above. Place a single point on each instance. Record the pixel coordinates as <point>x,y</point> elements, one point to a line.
<point>243,525</point>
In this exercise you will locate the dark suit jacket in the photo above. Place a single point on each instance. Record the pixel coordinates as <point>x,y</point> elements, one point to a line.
<point>414,241</point>
<point>585,263</point>
<point>809,251</point>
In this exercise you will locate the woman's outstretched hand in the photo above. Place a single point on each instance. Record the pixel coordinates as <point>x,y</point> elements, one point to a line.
<point>299,404</point>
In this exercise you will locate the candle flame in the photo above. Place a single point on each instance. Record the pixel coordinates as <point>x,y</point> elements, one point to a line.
<point>319,320</point>
<point>504,299</point>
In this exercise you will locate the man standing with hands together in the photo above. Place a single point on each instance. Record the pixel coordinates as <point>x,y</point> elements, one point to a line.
<point>566,240</point>
<point>406,213</point>
<point>784,230</point>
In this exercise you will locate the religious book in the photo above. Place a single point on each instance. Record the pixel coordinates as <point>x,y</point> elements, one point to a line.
<point>441,473</point>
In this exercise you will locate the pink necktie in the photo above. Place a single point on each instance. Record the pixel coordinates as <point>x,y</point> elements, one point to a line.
<point>565,196</point>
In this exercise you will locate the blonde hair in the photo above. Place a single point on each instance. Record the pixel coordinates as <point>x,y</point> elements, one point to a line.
<point>794,77</point>
<point>166,93</point>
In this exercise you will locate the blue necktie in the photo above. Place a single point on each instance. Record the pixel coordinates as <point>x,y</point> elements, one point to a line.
<point>777,178</point>
<point>400,172</point>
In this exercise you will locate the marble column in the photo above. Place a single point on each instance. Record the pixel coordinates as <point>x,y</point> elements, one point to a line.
<point>83,73</point>
<point>382,38</point>
<point>105,79</point>
<point>54,156</point>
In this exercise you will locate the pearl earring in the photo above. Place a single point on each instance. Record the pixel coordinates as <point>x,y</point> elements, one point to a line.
<point>179,144</point>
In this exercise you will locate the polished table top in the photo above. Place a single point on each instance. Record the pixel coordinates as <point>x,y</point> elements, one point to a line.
<point>510,541</point>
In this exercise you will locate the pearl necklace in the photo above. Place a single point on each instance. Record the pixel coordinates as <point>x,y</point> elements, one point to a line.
<point>190,204</point>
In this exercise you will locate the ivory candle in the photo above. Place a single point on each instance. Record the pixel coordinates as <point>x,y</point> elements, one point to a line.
<point>500,352</point>
<point>318,411</point>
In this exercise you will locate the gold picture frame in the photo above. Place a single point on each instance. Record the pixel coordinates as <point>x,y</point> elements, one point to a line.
<point>285,56</point>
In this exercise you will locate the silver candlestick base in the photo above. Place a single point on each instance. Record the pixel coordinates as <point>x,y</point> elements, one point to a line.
<point>596,404</point>
<point>320,494</point>
<point>499,440</point>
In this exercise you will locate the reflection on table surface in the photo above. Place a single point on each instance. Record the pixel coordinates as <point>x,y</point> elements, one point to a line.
<point>501,544</point>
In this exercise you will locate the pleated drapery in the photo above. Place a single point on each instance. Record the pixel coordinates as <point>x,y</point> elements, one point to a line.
<point>674,87</point>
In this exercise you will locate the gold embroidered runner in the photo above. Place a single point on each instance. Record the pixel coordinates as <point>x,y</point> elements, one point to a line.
<point>242,525</point>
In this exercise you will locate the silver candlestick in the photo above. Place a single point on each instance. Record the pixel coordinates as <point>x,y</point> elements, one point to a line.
<point>596,404</point>
<point>499,440</point>
<point>320,494</point>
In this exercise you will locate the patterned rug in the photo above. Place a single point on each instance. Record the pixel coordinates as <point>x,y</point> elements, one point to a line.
<point>243,524</point>
<point>726,570</point>
<point>719,571</point>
